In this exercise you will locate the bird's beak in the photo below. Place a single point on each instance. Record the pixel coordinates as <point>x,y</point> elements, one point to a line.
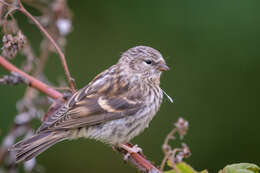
<point>163,67</point>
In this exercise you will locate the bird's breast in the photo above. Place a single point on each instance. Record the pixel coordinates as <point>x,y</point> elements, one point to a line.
<point>123,130</point>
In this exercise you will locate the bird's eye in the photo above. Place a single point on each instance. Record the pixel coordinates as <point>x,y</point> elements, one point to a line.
<point>148,61</point>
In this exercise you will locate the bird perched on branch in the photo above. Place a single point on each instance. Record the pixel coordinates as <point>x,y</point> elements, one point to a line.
<point>113,108</point>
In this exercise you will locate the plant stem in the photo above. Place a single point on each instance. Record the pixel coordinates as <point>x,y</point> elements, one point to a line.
<point>61,55</point>
<point>35,83</point>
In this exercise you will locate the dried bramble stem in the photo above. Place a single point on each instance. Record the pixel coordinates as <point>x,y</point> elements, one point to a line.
<point>175,155</point>
<point>61,55</point>
<point>165,158</point>
<point>3,2</point>
<point>13,79</point>
<point>166,148</point>
<point>137,158</point>
<point>169,137</point>
<point>32,81</point>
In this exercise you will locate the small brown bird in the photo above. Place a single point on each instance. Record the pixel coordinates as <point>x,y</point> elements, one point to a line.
<point>113,108</point>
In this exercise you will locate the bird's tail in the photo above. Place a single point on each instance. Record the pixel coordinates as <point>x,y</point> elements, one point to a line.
<point>35,145</point>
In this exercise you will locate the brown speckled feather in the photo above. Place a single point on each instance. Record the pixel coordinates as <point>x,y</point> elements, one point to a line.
<point>96,103</point>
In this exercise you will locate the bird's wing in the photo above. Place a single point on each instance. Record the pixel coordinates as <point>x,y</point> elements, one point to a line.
<point>106,98</point>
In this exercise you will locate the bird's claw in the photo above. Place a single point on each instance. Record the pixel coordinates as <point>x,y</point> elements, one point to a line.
<point>136,149</point>
<point>131,150</point>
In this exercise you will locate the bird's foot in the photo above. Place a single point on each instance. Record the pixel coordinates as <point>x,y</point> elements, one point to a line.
<point>136,149</point>
<point>130,150</point>
<point>133,149</point>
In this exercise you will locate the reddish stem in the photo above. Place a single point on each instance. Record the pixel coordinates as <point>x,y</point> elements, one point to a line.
<point>62,57</point>
<point>35,83</point>
<point>144,163</point>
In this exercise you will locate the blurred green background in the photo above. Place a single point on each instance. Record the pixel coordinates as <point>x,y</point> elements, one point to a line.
<point>213,50</point>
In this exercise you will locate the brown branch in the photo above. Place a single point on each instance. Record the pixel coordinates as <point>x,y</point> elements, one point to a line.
<point>138,160</point>
<point>35,83</point>
<point>5,3</point>
<point>61,55</point>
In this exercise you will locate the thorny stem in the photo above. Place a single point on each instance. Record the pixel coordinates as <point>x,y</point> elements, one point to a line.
<point>9,13</point>
<point>35,83</point>
<point>61,55</point>
<point>3,2</point>
<point>167,155</point>
<point>169,136</point>
<point>166,148</point>
<point>173,153</point>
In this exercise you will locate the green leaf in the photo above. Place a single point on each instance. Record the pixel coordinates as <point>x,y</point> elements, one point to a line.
<point>183,168</point>
<point>241,168</point>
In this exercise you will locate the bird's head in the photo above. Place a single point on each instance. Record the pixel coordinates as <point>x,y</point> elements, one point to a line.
<point>143,61</point>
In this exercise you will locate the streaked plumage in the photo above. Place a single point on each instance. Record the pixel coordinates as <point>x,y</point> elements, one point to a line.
<point>113,108</point>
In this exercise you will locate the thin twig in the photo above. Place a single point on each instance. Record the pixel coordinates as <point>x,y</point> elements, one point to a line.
<point>1,1</point>
<point>172,159</point>
<point>165,158</point>
<point>35,83</point>
<point>61,55</point>
<point>169,136</point>
<point>178,154</point>
<point>139,161</point>
<point>9,13</point>
<point>167,148</point>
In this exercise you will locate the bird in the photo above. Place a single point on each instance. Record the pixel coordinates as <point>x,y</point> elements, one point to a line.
<point>113,108</point>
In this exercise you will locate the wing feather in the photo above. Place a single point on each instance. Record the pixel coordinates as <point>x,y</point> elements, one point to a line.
<point>96,103</point>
